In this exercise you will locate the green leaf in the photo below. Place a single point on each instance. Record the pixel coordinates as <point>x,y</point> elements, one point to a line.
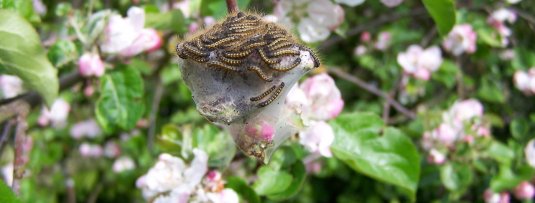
<point>217,144</point>
<point>170,139</point>
<point>173,20</point>
<point>508,179</point>
<point>218,9</point>
<point>491,91</point>
<point>443,13</point>
<point>446,73</point>
<point>170,74</point>
<point>456,177</point>
<point>271,181</point>
<point>62,52</point>
<point>500,152</point>
<point>298,173</point>
<point>23,7</point>
<point>121,101</point>
<point>390,157</point>
<point>240,186</point>
<point>520,129</point>
<point>6,194</point>
<point>21,54</point>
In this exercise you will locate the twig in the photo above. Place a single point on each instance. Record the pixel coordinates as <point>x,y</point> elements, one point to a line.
<point>372,24</point>
<point>427,39</point>
<point>5,134</point>
<point>525,15</point>
<point>23,146</point>
<point>33,97</point>
<point>160,88</point>
<point>372,89</point>
<point>232,6</point>
<point>459,77</point>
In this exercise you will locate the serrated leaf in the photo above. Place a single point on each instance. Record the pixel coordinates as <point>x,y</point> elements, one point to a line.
<point>62,52</point>
<point>121,101</point>
<point>21,54</point>
<point>271,181</point>
<point>298,173</point>
<point>390,157</point>
<point>443,13</point>
<point>241,187</point>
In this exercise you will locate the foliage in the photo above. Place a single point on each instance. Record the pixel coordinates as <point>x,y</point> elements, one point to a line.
<point>427,116</point>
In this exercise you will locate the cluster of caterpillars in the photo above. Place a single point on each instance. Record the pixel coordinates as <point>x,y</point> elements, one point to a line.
<point>244,42</point>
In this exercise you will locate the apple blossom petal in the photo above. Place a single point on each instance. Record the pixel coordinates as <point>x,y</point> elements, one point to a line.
<point>310,31</point>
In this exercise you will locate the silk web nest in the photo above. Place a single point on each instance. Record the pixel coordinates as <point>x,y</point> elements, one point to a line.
<point>239,72</point>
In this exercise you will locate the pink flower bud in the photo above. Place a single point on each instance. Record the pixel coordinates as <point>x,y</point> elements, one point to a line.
<point>213,175</point>
<point>193,27</point>
<point>89,90</point>
<point>524,191</point>
<point>383,41</point>
<point>90,64</point>
<point>262,130</point>
<point>365,37</point>
<point>436,157</point>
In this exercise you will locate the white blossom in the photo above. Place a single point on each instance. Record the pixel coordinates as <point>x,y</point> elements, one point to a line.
<point>57,115</point>
<point>317,138</point>
<point>124,163</point>
<point>10,86</point>
<point>419,62</point>
<point>88,128</point>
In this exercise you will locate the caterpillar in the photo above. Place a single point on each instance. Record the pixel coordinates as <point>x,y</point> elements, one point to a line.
<point>266,93</point>
<point>284,69</point>
<point>273,96</point>
<point>217,64</point>
<point>260,73</point>
<point>265,58</point>
<point>285,52</point>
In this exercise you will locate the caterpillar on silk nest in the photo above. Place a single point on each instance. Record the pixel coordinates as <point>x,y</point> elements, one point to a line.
<point>239,72</point>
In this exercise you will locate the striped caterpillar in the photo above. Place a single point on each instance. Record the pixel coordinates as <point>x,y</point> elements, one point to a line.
<point>247,45</point>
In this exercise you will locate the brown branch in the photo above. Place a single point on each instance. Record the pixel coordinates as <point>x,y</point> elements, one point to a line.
<point>23,145</point>
<point>525,15</point>
<point>5,134</point>
<point>232,6</point>
<point>372,89</point>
